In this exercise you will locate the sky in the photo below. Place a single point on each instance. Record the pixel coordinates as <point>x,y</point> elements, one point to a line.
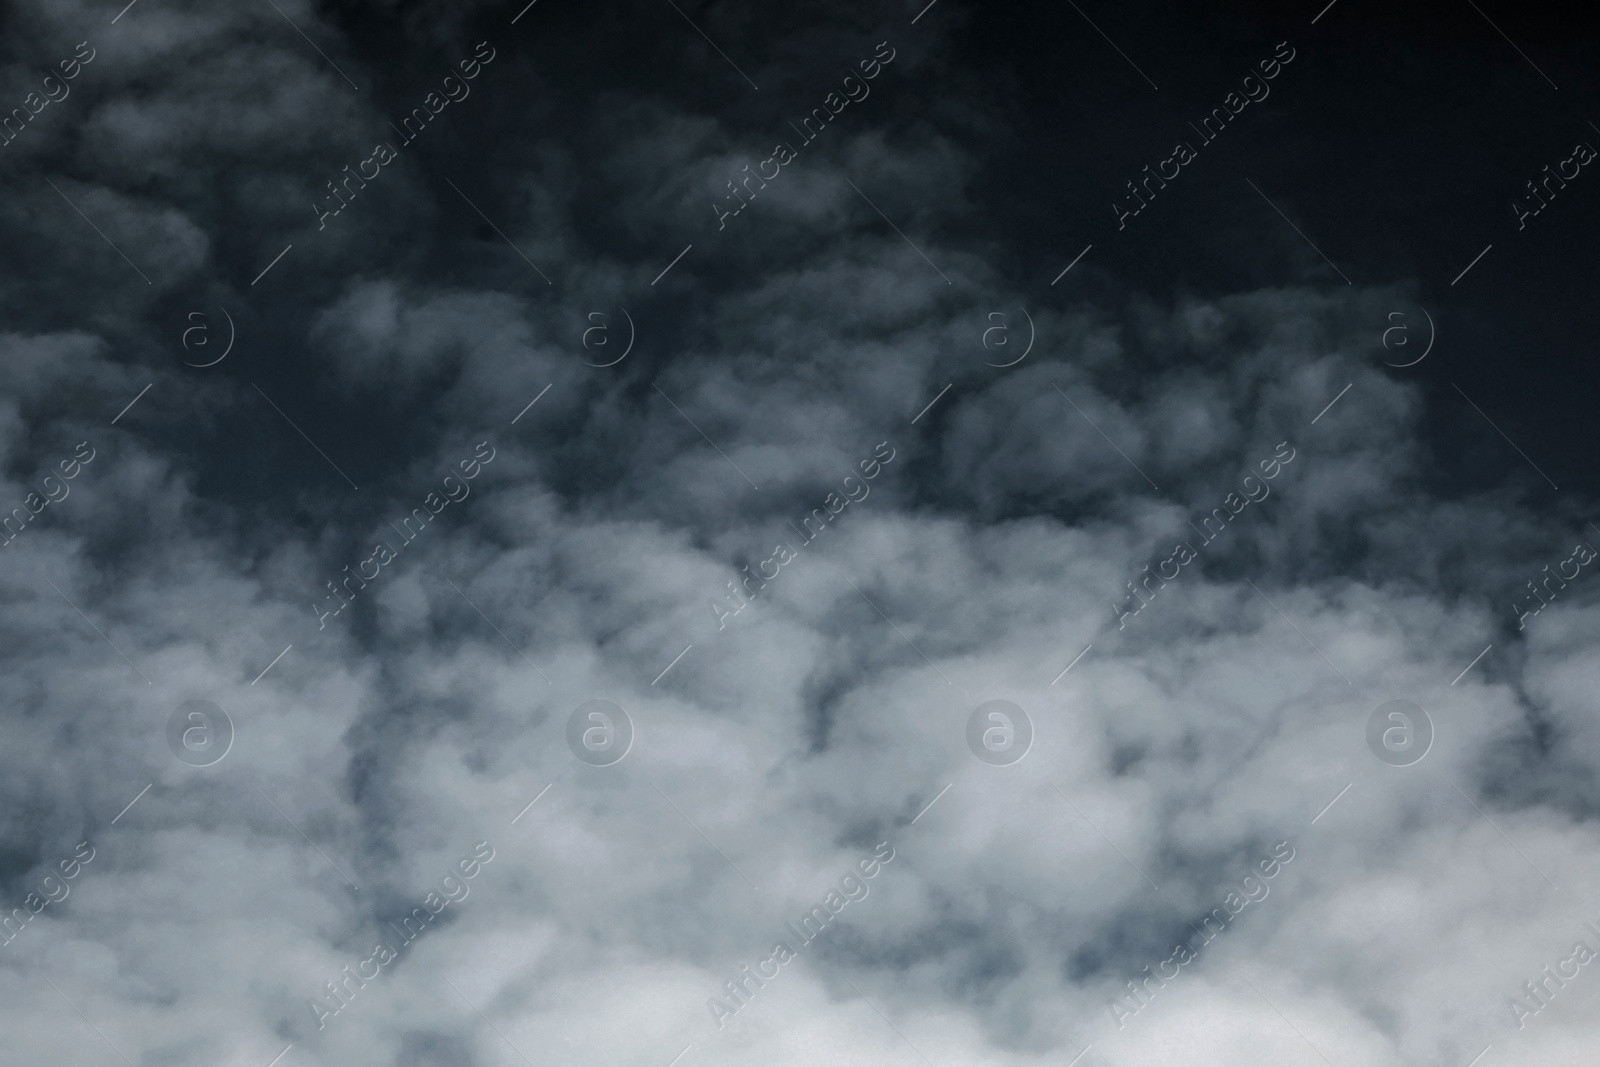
<point>681,533</point>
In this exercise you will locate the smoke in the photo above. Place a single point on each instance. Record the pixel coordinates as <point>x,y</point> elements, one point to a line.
<point>620,547</point>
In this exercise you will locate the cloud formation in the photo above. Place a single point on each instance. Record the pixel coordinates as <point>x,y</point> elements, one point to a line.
<point>994,560</point>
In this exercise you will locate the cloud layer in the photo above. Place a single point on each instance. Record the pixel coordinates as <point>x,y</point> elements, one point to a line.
<point>621,544</point>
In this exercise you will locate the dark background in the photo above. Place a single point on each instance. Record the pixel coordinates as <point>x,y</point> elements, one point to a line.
<point>1397,140</point>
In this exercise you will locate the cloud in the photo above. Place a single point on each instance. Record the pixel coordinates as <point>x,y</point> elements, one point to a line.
<point>600,554</point>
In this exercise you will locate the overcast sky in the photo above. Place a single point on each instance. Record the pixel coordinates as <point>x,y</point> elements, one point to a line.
<point>521,518</point>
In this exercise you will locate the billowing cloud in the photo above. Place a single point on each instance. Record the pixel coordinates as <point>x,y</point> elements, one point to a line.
<point>797,539</point>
